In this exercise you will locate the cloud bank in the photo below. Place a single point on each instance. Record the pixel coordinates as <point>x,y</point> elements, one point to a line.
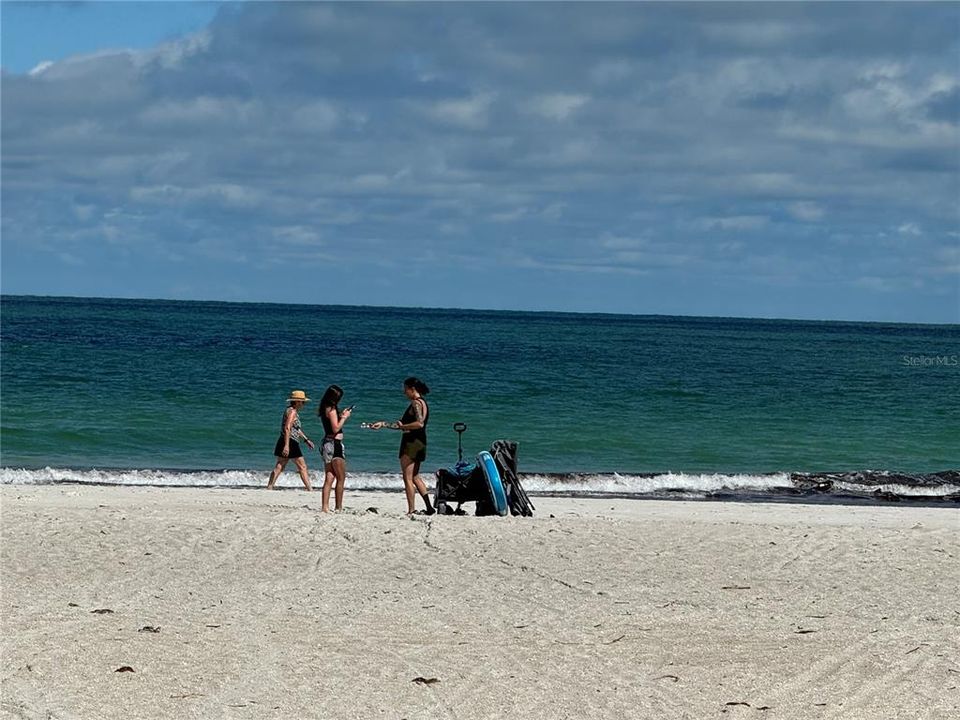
<point>798,160</point>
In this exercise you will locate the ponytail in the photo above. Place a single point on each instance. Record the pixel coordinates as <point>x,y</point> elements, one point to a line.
<point>417,384</point>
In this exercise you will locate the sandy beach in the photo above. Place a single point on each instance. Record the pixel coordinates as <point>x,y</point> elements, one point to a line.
<point>199,603</point>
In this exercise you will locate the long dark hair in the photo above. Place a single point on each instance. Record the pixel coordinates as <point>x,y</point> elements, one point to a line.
<point>330,398</point>
<point>417,384</point>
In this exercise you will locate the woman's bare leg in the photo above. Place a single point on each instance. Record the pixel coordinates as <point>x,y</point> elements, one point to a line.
<point>418,481</point>
<point>340,470</point>
<point>327,484</point>
<point>275,473</point>
<point>422,488</point>
<point>302,469</point>
<point>407,467</point>
<point>412,483</point>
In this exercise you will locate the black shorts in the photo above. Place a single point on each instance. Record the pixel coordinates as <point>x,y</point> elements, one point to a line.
<point>413,448</point>
<point>295,450</point>
<point>331,449</point>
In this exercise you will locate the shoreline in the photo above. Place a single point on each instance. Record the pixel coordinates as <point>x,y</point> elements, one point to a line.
<point>390,503</point>
<point>877,488</point>
<point>941,471</point>
<point>786,498</point>
<point>260,606</point>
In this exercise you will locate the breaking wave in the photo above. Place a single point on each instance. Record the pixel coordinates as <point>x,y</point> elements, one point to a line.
<point>872,486</point>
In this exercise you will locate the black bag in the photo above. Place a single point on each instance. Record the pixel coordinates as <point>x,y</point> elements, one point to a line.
<point>458,484</point>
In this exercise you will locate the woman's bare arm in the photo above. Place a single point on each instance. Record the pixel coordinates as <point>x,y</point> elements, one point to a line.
<point>419,414</point>
<point>335,423</point>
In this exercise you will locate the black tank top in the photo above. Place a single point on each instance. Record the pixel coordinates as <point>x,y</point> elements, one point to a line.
<point>409,416</point>
<point>327,425</point>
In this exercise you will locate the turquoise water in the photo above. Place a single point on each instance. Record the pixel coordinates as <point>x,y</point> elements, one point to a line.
<point>192,385</point>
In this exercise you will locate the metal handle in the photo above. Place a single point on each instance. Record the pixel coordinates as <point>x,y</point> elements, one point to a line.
<point>460,428</point>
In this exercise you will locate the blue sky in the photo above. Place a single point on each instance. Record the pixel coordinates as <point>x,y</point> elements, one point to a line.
<point>38,32</point>
<point>760,160</point>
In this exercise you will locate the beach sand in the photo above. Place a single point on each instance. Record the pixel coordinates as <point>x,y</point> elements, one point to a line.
<point>264,608</point>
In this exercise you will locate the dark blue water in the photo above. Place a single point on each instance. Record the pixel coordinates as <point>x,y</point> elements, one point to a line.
<point>153,385</point>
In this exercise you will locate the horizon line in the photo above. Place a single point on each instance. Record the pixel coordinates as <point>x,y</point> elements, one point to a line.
<point>480,309</point>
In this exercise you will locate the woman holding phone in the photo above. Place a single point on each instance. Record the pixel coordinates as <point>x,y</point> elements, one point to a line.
<point>334,460</point>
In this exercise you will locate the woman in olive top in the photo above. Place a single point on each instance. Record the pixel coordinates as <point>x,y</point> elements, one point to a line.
<point>334,460</point>
<point>413,442</point>
<point>288,444</point>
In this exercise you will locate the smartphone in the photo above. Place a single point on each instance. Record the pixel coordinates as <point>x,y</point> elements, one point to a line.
<point>350,407</point>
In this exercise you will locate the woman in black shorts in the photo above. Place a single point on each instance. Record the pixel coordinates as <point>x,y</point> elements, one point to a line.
<point>288,444</point>
<point>334,461</point>
<point>413,443</point>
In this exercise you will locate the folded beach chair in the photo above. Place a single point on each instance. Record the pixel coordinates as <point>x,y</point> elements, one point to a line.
<point>504,454</point>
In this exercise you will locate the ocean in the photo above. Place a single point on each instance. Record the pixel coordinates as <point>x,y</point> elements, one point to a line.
<point>191,393</point>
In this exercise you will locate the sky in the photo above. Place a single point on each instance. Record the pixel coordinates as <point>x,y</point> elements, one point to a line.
<point>792,160</point>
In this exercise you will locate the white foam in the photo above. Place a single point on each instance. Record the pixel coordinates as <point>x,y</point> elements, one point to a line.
<point>901,490</point>
<point>689,484</point>
<point>647,485</point>
<point>598,483</point>
<point>181,478</point>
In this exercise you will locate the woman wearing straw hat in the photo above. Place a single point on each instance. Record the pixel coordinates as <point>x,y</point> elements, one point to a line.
<point>288,445</point>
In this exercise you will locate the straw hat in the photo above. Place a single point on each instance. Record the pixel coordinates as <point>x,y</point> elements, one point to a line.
<point>298,396</point>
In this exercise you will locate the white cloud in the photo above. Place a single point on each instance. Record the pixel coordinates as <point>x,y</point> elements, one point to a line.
<point>70,259</point>
<point>553,211</point>
<point>317,116</point>
<point>297,235</point>
<point>735,222</point>
<point>882,71</point>
<point>574,152</point>
<point>509,215</point>
<point>173,54</point>
<point>120,63</point>
<point>371,181</point>
<point>940,83</point>
<point>470,113</point>
<point>590,124</point>
<point>84,213</point>
<point>40,68</point>
<point>805,211</point>
<point>230,193</point>
<point>757,33</point>
<point>763,183</point>
<point>611,71</point>
<point>947,262</point>
<point>557,106</point>
<point>614,242</point>
<point>201,110</point>
<point>224,194</point>
<point>577,266</point>
<point>888,285</point>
